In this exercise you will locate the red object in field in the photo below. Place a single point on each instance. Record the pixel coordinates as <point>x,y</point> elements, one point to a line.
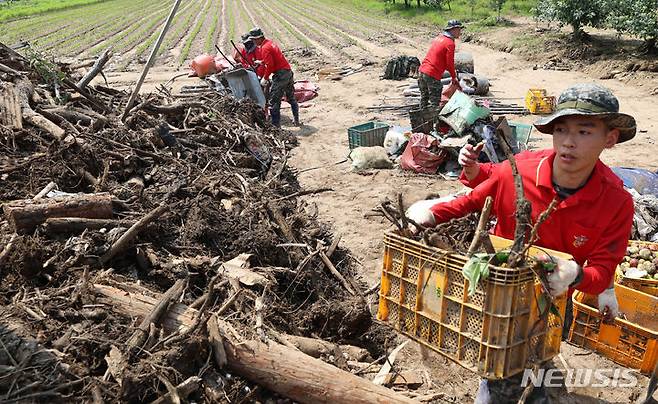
<point>447,92</point>
<point>221,64</point>
<point>422,154</point>
<point>305,91</point>
<point>203,65</point>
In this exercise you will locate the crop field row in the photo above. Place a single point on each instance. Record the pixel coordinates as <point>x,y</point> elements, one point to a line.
<point>130,28</point>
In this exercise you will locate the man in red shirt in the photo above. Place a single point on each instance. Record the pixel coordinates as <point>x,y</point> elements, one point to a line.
<point>283,81</point>
<point>248,55</point>
<point>593,218</point>
<point>439,58</point>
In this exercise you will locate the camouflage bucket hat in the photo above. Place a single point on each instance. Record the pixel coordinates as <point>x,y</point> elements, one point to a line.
<point>591,100</point>
<point>245,37</point>
<point>453,24</point>
<point>256,33</point>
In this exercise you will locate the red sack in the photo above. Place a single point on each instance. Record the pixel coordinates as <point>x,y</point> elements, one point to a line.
<point>447,92</point>
<point>203,65</point>
<point>305,91</point>
<point>419,157</point>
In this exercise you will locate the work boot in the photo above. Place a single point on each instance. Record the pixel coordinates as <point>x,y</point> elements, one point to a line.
<point>276,117</point>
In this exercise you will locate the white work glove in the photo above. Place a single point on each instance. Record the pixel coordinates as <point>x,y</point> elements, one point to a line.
<point>264,82</point>
<point>608,305</point>
<point>564,275</point>
<point>257,62</point>
<point>420,212</point>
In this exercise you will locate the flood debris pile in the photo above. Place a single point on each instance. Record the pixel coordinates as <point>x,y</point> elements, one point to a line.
<point>167,258</point>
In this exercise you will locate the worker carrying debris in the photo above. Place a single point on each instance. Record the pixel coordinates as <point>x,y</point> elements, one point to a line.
<point>439,58</point>
<point>592,220</point>
<point>282,78</point>
<point>249,54</point>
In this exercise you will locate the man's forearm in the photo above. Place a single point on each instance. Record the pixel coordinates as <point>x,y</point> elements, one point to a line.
<point>471,172</point>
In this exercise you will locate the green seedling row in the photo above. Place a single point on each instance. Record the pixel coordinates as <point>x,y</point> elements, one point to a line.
<point>200,20</point>
<point>273,30</point>
<point>291,6</point>
<point>111,36</point>
<point>360,25</point>
<point>180,24</point>
<point>231,13</point>
<point>358,18</point>
<point>212,34</point>
<point>303,39</point>
<point>36,7</point>
<point>42,26</point>
<point>140,33</point>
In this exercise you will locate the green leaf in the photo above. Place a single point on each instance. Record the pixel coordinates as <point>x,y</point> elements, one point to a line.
<point>476,269</point>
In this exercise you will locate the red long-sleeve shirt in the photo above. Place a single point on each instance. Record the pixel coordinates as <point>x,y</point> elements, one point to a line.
<point>487,168</point>
<point>593,224</point>
<point>439,58</point>
<point>272,58</point>
<point>247,59</point>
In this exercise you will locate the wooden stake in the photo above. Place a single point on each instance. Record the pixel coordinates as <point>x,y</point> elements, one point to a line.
<point>481,231</point>
<point>151,58</point>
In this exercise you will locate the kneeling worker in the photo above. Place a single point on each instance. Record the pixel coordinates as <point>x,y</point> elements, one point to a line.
<point>283,82</point>
<point>593,218</point>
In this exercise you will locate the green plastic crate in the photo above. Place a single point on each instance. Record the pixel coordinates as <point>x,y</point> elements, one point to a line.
<point>367,134</point>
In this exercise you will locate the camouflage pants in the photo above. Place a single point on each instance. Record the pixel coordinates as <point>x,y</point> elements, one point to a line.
<point>430,90</point>
<point>283,83</point>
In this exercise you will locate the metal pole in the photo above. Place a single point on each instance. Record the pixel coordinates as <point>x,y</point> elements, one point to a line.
<point>154,52</point>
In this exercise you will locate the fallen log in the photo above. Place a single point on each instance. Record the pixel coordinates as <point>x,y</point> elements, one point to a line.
<point>284,370</point>
<point>78,224</point>
<point>317,347</point>
<point>25,89</point>
<point>24,215</point>
<point>70,115</point>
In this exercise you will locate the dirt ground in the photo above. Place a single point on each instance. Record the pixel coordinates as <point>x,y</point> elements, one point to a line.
<point>320,161</point>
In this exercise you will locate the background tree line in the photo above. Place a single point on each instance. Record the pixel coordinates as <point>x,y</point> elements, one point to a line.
<point>637,18</point>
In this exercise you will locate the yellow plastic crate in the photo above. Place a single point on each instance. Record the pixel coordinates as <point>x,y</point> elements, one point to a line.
<point>649,286</point>
<point>537,101</point>
<point>495,332</point>
<point>632,341</point>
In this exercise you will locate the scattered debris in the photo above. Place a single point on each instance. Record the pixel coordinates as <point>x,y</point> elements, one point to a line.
<point>148,260</point>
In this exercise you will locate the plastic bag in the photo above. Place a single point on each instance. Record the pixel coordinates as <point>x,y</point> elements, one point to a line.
<point>422,154</point>
<point>393,140</point>
<point>643,181</point>
<point>364,158</point>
